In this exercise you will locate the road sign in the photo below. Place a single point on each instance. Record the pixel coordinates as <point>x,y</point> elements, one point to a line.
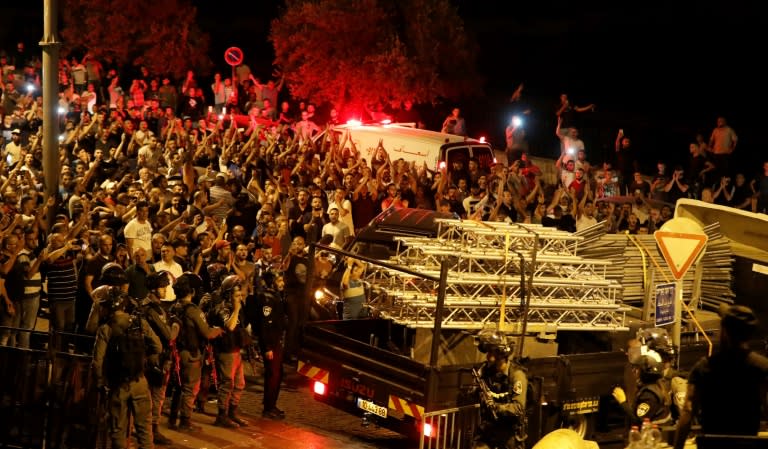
<point>233,56</point>
<point>680,250</point>
<point>665,304</point>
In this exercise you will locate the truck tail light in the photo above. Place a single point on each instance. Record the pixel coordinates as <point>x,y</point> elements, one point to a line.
<point>319,388</point>
<point>427,427</point>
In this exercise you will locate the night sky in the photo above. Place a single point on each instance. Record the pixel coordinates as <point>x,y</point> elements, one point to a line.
<point>661,74</point>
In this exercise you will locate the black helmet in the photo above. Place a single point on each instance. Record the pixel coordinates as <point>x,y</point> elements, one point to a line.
<point>187,283</point>
<point>269,277</point>
<point>216,273</point>
<point>739,322</point>
<point>650,367</point>
<point>115,299</point>
<point>158,280</point>
<point>657,339</point>
<point>494,342</point>
<point>229,284</point>
<point>113,274</point>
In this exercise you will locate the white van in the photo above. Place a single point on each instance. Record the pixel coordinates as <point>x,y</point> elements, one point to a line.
<point>413,144</point>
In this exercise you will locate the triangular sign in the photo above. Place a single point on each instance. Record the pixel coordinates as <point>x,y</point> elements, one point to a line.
<point>680,250</point>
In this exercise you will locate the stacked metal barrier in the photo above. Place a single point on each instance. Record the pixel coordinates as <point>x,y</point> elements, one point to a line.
<point>487,262</point>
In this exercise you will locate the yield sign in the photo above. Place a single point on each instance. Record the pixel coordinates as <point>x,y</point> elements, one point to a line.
<point>680,249</point>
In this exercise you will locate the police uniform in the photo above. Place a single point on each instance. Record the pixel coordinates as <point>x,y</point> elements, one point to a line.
<point>297,306</point>
<point>229,363</point>
<point>271,319</point>
<point>508,389</point>
<point>651,403</point>
<point>158,374</point>
<point>126,392</point>
<point>207,302</point>
<point>193,333</point>
<point>652,400</point>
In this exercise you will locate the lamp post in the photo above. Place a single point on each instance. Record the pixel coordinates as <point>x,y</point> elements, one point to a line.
<point>50,45</point>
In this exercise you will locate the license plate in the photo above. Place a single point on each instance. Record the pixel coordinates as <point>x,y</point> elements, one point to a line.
<point>369,406</point>
<point>583,406</point>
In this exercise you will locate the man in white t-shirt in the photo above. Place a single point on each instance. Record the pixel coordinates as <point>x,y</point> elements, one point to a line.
<point>340,202</point>
<point>138,232</point>
<point>336,228</point>
<point>167,263</point>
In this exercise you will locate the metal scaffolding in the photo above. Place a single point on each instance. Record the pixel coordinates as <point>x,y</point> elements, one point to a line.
<point>486,264</point>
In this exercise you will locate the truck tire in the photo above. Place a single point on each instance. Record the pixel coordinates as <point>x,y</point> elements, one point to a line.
<point>582,424</point>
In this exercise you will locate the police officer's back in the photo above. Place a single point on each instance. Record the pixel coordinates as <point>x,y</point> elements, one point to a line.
<point>159,369</point>
<point>194,332</point>
<point>726,389</point>
<point>122,344</point>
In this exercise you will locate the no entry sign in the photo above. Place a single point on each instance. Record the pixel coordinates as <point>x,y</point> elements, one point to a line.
<point>233,56</point>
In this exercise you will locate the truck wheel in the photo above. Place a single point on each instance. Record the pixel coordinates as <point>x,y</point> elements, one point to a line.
<point>582,424</point>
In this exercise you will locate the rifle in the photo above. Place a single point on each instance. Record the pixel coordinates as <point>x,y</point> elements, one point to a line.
<point>486,395</point>
<point>253,356</point>
<point>211,361</point>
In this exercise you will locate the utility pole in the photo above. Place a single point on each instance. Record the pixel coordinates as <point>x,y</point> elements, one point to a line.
<point>50,45</point>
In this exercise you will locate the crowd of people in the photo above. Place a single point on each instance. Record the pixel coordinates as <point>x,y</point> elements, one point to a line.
<point>229,182</point>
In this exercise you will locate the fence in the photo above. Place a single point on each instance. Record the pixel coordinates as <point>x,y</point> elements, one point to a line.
<point>450,429</point>
<point>47,399</point>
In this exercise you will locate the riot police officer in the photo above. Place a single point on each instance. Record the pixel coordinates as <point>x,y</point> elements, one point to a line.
<point>652,400</point>
<point>658,340</point>
<point>194,330</point>
<point>112,275</point>
<point>122,344</point>
<point>269,318</point>
<point>208,299</point>
<point>159,368</point>
<point>229,361</point>
<point>503,384</point>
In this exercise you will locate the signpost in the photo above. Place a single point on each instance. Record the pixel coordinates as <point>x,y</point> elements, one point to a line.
<point>234,57</point>
<point>665,304</point>
<point>681,242</point>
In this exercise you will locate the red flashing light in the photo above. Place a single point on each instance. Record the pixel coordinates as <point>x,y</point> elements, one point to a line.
<point>427,429</point>
<point>442,165</point>
<point>482,139</point>
<point>386,121</point>
<point>353,122</point>
<point>319,388</point>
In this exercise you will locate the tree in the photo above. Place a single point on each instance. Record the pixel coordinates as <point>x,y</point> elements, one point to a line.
<point>362,52</point>
<point>159,34</point>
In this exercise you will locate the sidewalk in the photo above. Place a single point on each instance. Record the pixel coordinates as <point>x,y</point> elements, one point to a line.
<point>308,424</point>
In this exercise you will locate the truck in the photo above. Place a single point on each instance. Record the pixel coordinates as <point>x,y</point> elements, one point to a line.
<point>570,300</point>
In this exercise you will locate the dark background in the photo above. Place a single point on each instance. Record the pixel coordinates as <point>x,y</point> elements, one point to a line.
<point>661,71</point>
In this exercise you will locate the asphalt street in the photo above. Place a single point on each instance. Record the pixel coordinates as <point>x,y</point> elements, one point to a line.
<point>309,424</point>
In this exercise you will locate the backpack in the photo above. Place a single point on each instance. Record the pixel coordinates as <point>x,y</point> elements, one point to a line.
<point>124,360</point>
<point>188,339</point>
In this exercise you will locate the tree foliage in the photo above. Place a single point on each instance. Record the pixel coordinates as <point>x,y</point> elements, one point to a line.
<point>159,34</point>
<point>356,52</point>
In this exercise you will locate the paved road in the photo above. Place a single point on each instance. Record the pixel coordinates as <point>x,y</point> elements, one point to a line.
<point>308,425</point>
